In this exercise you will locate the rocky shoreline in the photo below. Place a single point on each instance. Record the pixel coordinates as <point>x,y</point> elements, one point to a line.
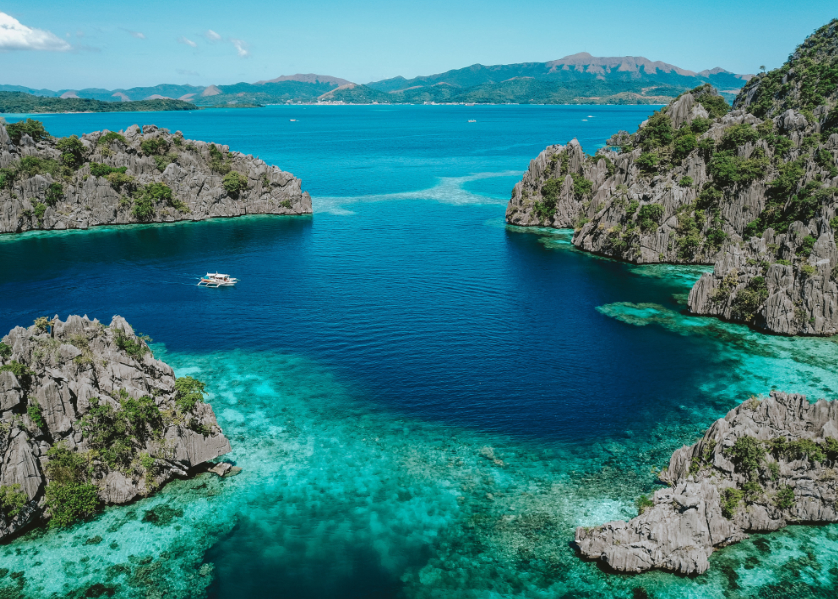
<point>767,464</point>
<point>146,175</point>
<point>87,417</point>
<point>753,190</point>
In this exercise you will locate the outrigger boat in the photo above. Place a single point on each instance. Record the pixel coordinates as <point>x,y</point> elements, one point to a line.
<point>214,279</point>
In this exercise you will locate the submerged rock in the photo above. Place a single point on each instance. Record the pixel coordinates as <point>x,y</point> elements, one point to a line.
<point>134,176</point>
<point>88,414</point>
<point>766,464</point>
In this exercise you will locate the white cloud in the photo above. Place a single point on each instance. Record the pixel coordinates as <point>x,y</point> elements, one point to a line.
<point>188,42</point>
<point>241,47</point>
<point>16,36</point>
<point>137,34</point>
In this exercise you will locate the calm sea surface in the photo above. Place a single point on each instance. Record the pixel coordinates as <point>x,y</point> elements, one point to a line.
<point>425,402</point>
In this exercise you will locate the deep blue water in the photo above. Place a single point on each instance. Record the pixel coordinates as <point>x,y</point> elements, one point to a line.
<point>405,311</point>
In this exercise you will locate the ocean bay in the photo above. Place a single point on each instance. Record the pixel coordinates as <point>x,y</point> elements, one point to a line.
<point>376,348</point>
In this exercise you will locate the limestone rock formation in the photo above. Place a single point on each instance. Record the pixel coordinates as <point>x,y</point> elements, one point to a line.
<point>87,405</point>
<point>698,183</point>
<point>137,175</point>
<point>785,283</point>
<point>766,464</point>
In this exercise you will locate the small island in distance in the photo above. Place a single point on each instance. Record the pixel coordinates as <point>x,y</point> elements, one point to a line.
<point>25,103</point>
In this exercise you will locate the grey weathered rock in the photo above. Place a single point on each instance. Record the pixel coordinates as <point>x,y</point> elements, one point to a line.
<point>194,174</point>
<point>749,190</point>
<point>69,366</point>
<point>784,283</point>
<point>698,513</point>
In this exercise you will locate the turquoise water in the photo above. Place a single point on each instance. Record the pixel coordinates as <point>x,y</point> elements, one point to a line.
<point>424,402</point>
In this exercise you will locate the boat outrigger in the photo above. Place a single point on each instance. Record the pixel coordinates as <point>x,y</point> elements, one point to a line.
<point>214,279</point>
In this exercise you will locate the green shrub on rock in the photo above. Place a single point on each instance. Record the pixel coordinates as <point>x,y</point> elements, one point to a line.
<point>747,453</point>
<point>54,193</point>
<point>748,300</point>
<point>234,182</point>
<point>709,197</point>
<point>218,163</point>
<point>738,135</point>
<point>657,132</point>
<point>129,345</point>
<point>727,168</point>
<point>32,128</point>
<point>146,199</point>
<point>21,371</point>
<point>684,144</point>
<point>70,502</point>
<point>650,216</point>
<point>12,500</point>
<point>731,498</point>
<point>120,181</point>
<point>714,105</point>
<point>143,209</point>
<point>164,160</point>
<point>103,170</point>
<point>29,166</point>
<point>119,434</point>
<point>189,393</point>
<point>69,494</point>
<point>785,498</point>
<point>648,162</point>
<point>34,412</point>
<point>700,125</point>
<point>643,503</point>
<point>154,146</point>
<point>158,192</point>
<point>72,151</point>
<point>111,137</point>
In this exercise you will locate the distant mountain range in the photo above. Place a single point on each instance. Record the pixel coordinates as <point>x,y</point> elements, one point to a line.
<point>577,79</point>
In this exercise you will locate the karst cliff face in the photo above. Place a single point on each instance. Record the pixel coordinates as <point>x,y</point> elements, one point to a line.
<point>134,176</point>
<point>89,416</point>
<point>753,190</point>
<point>768,463</point>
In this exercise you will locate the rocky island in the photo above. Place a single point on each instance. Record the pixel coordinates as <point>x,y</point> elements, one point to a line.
<point>752,190</point>
<point>140,175</point>
<point>88,416</point>
<point>768,463</point>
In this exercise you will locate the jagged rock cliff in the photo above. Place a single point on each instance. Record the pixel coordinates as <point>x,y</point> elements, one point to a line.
<point>697,183</point>
<point>785,283</point>
<point>784,280</point>
<point>768,463</point>
<point>627,204</point>
<point>88,415</point>
<point>137,175</point>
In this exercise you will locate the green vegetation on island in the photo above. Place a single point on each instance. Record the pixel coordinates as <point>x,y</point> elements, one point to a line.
<point>752,188</point>
<point>22,103</point>
<point>139,175</point>
<point>123,440</point>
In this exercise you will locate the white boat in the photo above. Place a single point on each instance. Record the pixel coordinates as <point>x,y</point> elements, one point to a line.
<point>215,279</point>
<point>293,120</point>
<point>472,120</point>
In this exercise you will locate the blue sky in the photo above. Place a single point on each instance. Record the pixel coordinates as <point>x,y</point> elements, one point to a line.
<point>69,44</point>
